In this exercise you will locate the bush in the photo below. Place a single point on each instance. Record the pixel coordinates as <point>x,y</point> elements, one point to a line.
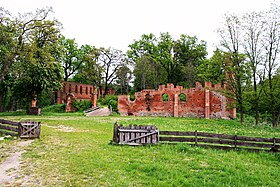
<point>109,100</point>
<point>82,105</point>
<point>54,108</point>
<point>114,105</point>
<point>106,99</point>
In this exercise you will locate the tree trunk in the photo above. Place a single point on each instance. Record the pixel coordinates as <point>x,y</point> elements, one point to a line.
<point>1,103</point>
<point>256,99</point>
<point>240,98</point>
<point>100,90</point>
<point>277,119</point>
<point>106,89</point>
<point>241,113</point>
<point>257,114</point>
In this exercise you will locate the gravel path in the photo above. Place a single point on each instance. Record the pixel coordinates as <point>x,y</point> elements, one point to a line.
<point>9,169</point>
<point>100,112</point>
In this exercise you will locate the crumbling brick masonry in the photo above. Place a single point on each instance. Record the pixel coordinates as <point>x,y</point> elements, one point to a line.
<point>207,102</point>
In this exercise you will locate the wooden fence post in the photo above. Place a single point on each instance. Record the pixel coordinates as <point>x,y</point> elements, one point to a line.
<point>19,129</point>
<point>115,133</point>
<point>235,143</point>
<point>195,134</point>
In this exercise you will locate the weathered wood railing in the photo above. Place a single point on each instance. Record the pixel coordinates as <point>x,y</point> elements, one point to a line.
<point>138,135</point>
<point>222,141</point>
<point>9,127</point>
<point>135,135</point>
<point>27,129</point>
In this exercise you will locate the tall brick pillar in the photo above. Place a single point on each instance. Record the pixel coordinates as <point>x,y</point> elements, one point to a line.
<point>176,109</point>
<point>208,85</point>
<point>93,100</point>
<point>234,113</point>
<point>58,100</point>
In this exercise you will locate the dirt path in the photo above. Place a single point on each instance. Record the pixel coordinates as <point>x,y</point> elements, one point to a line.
<point>9,169</point>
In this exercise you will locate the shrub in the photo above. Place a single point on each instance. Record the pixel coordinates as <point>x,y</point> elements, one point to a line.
<point>54,108</point>
<point>105,100</point>
<point>109,100</point>
<point>82,105</point>
<point>114,105</point>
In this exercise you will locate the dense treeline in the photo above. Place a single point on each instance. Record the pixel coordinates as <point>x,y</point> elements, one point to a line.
<point>35,58</point>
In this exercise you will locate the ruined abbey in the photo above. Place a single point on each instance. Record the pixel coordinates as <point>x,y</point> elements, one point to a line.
<point>202,102</point>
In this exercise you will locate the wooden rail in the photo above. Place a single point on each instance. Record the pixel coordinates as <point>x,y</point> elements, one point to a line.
<point>222,141</point>
<point>27,129</point>
<point>9,127</point>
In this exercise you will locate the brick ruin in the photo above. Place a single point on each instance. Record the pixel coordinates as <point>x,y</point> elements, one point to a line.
<point>73,90</point>
<point>202,102</point>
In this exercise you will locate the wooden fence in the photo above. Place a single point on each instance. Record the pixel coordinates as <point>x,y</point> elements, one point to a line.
<point>221,141</point>
<point>9,127</point>
<point>27,129</point>
<point>135,135</point>
<point>139,135</point>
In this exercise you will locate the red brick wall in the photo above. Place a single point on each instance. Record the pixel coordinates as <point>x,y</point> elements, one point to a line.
<point>150,103</point>
<point>80,91</point>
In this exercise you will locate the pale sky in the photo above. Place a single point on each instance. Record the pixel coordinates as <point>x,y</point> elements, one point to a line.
<point>116,23</point>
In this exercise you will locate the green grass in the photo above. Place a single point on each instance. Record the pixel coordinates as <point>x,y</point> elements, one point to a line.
<point>75,151</point>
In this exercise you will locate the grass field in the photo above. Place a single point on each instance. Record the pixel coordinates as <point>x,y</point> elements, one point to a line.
<point>75,151</point>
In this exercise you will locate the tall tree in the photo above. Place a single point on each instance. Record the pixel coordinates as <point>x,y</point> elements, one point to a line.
<point>189,53</point>
<point>253,29</point>
<point>148,73</point>
<point>110,60</point>
<point>174,56</point>
<point>30,62</point>
<point>70,57</point>
<point>231,40</point>
<point>213,69</point>
<point>90,72</point>
<point>37,69</point>
<point>124,76</point>
<point>272,48</point>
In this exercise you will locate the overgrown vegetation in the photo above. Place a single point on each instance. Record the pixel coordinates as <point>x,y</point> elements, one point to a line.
<point>109,100</point>
<point>76,151</point>
<point>58,108</point>
<point>82,105</point>
<point>35,57</point>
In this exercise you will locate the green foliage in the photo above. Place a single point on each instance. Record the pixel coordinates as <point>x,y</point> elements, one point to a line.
<point>58,108</point>
<point>105,100</point>
<point>30,65</point>
<point>89,72</point>
<point>124,76</point>
<point>132,97</point>
<point>70,56</point>
<point>109,100</point>
<point>183,97</point>
<point>113,104</point>
<point>82,105</point>
<point>163,59</point>
<point>164,97</point>
<point>148,74</point>
<point>213,69</point>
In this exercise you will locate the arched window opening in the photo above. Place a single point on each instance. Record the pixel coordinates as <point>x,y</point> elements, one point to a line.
<point>132,97</point>
<point>86,90</point>
<point>81,89</point>
<point>76,89</point>
<point>69,88</point>
<point>90,90</point>
<point>165,97</point>
<point>183,97</point>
